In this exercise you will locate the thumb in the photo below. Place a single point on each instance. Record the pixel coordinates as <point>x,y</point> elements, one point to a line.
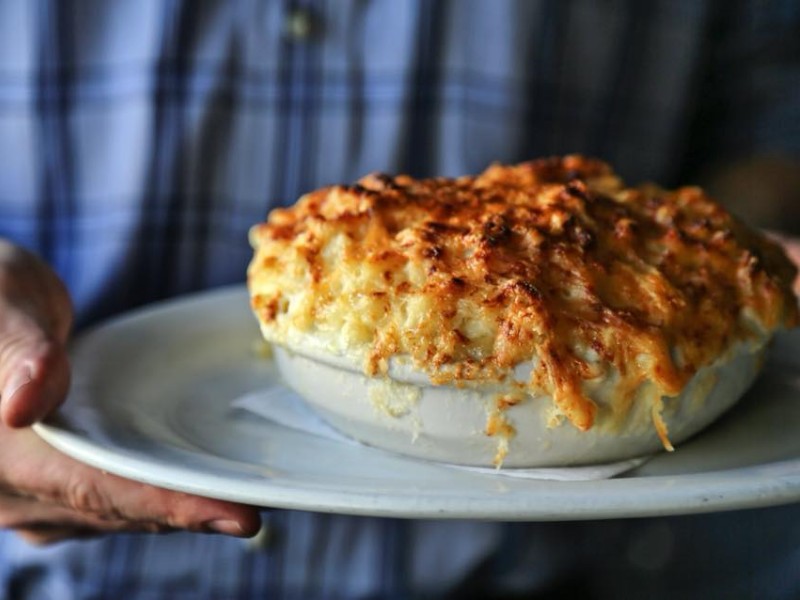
<point>34,374</point>
<point>35,318</point>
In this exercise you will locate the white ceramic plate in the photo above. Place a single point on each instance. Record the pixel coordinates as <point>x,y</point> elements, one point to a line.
<point>151,402</point>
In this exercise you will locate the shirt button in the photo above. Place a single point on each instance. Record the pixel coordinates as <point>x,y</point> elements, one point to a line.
<point>300,24</point>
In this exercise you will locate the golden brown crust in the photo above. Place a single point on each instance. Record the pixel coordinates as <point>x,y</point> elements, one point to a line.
<point>552,261</point>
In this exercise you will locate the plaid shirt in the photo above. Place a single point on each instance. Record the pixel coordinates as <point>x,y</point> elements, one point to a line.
<point>140,139</point>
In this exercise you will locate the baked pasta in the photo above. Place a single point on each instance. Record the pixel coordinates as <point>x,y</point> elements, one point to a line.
<point>547,283</point>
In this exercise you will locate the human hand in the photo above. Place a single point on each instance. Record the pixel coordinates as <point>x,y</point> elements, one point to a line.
<point>791,245</point>
<point>46,496</point>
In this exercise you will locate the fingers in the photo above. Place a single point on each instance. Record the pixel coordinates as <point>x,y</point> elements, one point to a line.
<point>114,498</point>
<point>45,523</point>
<point>792,247</point>
<point>106,501</point>
<point>21,513</point>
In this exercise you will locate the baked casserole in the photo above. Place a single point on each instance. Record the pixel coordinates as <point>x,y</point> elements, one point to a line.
<point>555,315</point>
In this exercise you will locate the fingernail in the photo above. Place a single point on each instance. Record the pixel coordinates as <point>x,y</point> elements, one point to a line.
<point>226,527</point>
<point>18,378</point>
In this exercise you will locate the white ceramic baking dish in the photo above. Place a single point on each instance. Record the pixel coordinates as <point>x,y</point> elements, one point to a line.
<point>406,413</point>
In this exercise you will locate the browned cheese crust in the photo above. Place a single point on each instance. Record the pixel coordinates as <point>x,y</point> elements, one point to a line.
<point>552,260</point>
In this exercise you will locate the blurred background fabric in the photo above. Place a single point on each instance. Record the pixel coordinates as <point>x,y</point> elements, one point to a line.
<point>140,139</point>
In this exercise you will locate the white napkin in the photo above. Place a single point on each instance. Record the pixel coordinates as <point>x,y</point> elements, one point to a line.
<point>282,406</point>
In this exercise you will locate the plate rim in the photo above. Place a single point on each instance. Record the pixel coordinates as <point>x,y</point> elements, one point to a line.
<point>769,484</point>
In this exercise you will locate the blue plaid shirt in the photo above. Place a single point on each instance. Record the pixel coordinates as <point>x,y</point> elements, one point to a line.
<point>140,139</point>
